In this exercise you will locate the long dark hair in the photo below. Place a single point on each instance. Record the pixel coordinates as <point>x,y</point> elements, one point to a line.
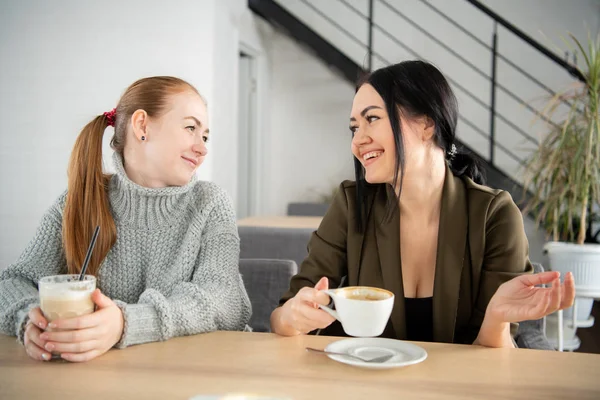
<point>416,89</point>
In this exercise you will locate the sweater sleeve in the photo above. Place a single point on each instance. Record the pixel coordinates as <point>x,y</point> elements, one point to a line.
<point>214,299</point>
<point>18,283</point>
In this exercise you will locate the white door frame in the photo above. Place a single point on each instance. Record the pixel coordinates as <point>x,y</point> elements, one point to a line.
<point>256,134</point>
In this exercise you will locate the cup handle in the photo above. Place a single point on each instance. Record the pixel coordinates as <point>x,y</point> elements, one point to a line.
<point>328,310</point>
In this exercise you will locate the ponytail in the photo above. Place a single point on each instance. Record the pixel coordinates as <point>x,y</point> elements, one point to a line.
<point>87,202</point>
<point>464,164</point>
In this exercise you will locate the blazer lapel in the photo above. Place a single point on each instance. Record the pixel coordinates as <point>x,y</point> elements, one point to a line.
<point>387,235</point>
<point>451,248</point>
<point>355,241</point>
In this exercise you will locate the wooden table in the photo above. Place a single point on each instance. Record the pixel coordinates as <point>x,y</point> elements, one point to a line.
<point>281,222</point>
<point>266,364</point>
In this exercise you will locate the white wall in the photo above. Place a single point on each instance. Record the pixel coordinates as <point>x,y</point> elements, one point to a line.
<point>309,146</point>
<point>255,37</point>
<point>66,61</point>
<point>302,127</point>
<point>224,100</point>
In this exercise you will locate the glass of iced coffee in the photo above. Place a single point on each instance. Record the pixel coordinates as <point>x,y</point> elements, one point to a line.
<point>65,296</point>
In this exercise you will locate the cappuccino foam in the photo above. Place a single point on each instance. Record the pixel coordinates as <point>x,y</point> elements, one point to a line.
<point>67,302</point>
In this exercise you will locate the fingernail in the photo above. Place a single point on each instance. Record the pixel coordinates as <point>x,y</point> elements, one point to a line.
<point>52,325</point>
<point>49,346</point>
<point>44,336</point>
<point>46,356</point>
<point>41,324</point>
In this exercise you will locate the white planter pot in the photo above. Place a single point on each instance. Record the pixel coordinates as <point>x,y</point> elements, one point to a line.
<point>584,262</point>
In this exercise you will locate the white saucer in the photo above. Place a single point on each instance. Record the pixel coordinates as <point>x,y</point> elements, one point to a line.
<point>404,353</point>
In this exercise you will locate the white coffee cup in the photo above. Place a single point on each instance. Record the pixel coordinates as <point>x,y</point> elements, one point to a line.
<point>363,311</point>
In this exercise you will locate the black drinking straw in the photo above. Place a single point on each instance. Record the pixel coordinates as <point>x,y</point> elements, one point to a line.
<point>89,252</point>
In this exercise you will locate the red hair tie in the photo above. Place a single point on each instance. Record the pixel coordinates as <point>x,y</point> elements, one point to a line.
<point>111,117</point>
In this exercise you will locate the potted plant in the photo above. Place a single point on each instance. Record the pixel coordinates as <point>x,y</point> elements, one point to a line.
<point>563,175</point>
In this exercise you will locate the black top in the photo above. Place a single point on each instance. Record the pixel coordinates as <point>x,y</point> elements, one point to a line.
<point>419,319</point>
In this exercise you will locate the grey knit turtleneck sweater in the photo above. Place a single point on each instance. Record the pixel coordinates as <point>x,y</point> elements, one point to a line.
<point>173,269</point>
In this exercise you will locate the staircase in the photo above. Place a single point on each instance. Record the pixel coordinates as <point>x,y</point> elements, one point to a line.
<point>493,86</point>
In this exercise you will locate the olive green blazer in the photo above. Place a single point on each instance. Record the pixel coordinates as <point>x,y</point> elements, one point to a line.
<point>481,244</point>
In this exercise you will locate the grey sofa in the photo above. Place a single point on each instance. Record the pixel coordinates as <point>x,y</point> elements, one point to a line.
<point>307,209</point>
<point>265,281</point>
<point>274,243</point>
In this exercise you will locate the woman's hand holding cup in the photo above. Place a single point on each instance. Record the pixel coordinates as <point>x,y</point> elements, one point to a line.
<point>302,312</point>
<point>89,336</point>
<point>34,345</point>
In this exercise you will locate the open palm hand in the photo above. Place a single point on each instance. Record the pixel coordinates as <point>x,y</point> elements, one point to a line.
<point>520,299</point>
